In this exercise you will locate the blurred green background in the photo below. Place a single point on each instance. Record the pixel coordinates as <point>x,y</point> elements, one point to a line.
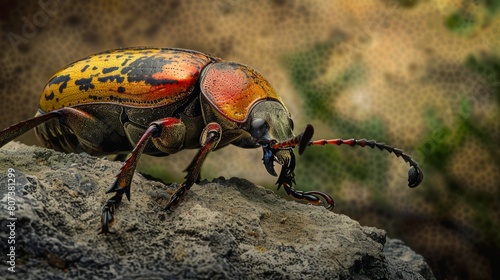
<point>423,76</point>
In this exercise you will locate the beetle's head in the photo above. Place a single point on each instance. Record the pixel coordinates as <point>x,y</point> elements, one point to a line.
<point>269,122</point>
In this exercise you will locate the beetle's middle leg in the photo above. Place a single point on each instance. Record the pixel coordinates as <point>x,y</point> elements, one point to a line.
<point>210,137</point>
<point>166,133</point>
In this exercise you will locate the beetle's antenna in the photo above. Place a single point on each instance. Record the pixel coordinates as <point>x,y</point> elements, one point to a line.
<point>415,174</point>
<point>302,140</point>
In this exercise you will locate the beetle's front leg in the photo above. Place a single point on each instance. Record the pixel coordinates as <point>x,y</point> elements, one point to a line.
<point>156,131</point>
<point>312,197</point>
<point>210,137</point>
<point>287,177</point>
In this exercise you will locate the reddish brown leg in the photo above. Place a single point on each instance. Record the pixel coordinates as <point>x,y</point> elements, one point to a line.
<point>78,121</point>
<point>20,128</point>
<point>124,178</point>
<point>210,138</point>
<point>69,116</point>
<point>312,197</point>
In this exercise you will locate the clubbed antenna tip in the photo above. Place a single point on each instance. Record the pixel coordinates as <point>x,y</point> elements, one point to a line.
<point>415,176</point>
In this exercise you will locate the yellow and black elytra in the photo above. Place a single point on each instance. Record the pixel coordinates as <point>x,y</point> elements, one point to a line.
<point>135,77</point>
<point>159,101</point>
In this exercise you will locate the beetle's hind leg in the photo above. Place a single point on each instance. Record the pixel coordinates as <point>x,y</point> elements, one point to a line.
<point>11,132</point>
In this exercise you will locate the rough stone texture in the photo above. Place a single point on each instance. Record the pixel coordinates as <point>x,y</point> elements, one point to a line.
<point>228,229</point>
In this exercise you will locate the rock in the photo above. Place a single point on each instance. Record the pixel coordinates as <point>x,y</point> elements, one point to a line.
<point>227,229</point>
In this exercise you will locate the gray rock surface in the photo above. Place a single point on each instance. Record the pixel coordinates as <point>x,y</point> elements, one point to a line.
<point>225,229</point>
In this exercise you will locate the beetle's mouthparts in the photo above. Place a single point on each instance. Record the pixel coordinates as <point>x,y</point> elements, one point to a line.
<point>268,159</point>
<point>282,153</point>
<point>283,157</point>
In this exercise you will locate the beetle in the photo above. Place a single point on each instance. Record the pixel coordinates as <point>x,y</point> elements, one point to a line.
<point>159,101</point>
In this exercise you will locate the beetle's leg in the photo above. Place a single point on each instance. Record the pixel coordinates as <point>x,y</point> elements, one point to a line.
<point>287,178</point>
<point>210,137</point>
<point>124,178</point>
<point>20,128</point>
<point>76,120</point>
<point>73,118</point>
<point>69,116</point>
<point>312,197</point>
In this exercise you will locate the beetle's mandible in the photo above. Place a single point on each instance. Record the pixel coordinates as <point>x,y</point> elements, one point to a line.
<point>158,101</point>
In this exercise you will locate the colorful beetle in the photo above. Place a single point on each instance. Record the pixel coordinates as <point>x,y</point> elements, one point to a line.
<point>159,101</point>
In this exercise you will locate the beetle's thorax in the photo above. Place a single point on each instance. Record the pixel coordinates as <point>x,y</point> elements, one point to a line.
<point>233,89</point>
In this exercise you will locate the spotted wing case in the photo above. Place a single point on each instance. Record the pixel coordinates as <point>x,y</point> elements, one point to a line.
<point>139,77</point>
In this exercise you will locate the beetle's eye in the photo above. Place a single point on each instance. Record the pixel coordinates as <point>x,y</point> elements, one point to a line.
<point>259,128</point>
<point>291,124</point>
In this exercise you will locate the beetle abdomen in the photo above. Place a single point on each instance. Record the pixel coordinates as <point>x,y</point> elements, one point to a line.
<point>139,77</point>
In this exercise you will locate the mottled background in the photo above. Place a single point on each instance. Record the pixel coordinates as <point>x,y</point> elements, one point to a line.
<point>421,75</point>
